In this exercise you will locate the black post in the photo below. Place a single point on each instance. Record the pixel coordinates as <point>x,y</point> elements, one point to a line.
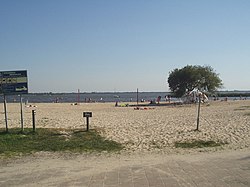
<point>87,123</point>
<point>5,112</point>
<point>33,120</point>
<point>198,116</point>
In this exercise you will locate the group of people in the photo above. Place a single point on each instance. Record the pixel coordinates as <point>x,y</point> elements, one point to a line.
<point>167,98</point>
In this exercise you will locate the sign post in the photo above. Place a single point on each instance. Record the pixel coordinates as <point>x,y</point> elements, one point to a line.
<point>87,115</point>
<point>13,83</point>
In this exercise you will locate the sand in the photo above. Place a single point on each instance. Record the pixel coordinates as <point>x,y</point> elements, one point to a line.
<point>145,133</point>
<point>152,130</point>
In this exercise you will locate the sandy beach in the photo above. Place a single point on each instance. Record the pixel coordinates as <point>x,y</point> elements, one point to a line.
<point>150,130</point>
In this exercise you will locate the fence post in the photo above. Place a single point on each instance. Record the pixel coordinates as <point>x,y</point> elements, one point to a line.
<point>34,120</point>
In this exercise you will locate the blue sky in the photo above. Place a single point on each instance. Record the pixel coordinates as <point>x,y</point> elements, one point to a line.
<point>115,45</point>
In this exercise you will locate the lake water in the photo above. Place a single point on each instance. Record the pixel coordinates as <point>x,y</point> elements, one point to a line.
<point>86,97</point>
<point>92,97</point>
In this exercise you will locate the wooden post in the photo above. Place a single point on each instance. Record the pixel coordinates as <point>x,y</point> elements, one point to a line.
<point>5,112</point>
<point>198,115</point>
<point>137,97</point>
<point>21,105</point>
<point>33,120</point>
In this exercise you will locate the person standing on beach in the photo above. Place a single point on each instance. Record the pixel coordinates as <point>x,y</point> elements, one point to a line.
<point>168,98</point>
<point>158,99</point>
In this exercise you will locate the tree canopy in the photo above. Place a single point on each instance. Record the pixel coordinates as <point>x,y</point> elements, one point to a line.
<point>191,77</point>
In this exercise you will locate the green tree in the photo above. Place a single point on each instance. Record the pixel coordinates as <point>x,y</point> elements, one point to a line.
<point>190,77</point>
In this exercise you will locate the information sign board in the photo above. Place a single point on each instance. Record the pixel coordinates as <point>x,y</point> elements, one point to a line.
<point>87,114</point>
<point>13,82</point>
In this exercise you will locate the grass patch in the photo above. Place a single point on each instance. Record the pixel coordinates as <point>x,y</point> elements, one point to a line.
<point>197,144</point>
<point>243,108</point>
<point>247,114</point>
<point>248,107</point>
<point>16,143</point>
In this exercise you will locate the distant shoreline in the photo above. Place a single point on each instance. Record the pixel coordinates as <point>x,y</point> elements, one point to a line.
<point>233,93</point>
